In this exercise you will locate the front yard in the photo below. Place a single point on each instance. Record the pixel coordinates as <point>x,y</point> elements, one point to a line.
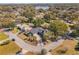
<point>3,36</point>
<point>9,49</point>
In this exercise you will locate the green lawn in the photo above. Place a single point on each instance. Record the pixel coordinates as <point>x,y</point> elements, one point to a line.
<point>9,49</point>
<point>3,36</point>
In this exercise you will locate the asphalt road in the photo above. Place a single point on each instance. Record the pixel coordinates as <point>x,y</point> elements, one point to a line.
<point>30,47</point>
<point>22,44</point>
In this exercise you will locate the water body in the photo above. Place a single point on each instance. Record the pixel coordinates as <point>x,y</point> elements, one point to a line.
<point>42,7</point>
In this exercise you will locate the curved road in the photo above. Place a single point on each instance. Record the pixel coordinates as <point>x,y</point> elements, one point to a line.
<point>22,44</point>
<point>30,47</point>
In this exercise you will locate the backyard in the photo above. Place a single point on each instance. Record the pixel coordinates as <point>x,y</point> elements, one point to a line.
<point>66,48</point>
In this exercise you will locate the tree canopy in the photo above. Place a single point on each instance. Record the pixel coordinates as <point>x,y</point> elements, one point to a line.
<point>58,27</point>
<point>38,22</point>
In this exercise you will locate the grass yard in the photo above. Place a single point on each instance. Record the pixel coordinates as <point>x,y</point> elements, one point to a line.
<point>67,48</point>
<point>3,36</point>
<point>9,49</point>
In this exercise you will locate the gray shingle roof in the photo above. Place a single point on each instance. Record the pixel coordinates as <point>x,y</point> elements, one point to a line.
<point>36,30</point>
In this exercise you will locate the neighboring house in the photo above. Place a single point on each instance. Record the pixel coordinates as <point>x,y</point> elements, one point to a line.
<point>21,27</point>
<point>37,30</point>
<point>24,27</point>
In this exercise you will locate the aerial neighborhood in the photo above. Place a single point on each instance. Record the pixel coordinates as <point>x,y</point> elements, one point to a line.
<point>39,29</point>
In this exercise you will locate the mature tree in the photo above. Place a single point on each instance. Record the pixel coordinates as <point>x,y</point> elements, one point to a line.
<point>58,27</point>
<point>29,11</point>
<point>9,15</point>
<point>48,17</point>
<point>49,36</point>
<point>75,33</point>
<point>75,26</point>
<point>45,25</point>
<point>21,19</point>
<point>6,8</point>
<point>7,23</point>
<point>38,22</point>
<point>30,20</point>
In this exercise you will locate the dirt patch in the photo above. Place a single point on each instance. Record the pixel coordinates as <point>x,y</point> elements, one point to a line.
<point>66,48</point>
